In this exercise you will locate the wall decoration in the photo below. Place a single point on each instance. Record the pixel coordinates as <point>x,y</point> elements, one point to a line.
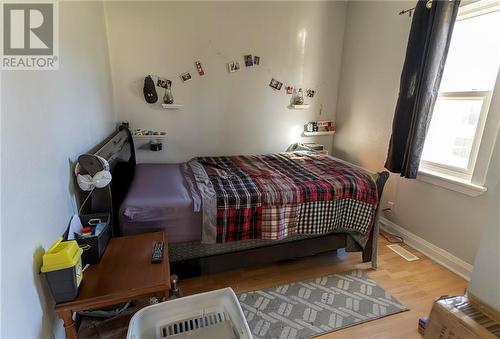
<point>168,97</point>
<point>199,69</point>
<point>162,82</point>
<point>233,66</point>
<point>298,98</point>
<point>185,77</point>
<point>275,84</point>
<point>310,93</point>
<point>297,94</point>
<point>149,90</point>
<point>248,60</point>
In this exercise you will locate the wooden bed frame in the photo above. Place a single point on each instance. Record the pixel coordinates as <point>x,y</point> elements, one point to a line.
<point>118,149</point>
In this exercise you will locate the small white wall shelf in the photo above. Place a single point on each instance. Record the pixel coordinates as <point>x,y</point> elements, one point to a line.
<point>149,137</point>
<point>319,133</point>
<point>172,106</point>
<point>305,106</point>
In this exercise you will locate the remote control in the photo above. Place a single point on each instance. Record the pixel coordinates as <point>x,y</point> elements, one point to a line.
<point>157,255</point>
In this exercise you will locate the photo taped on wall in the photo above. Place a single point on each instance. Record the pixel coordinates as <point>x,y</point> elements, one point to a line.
<point>163,82</point>
<point>233,66</point>
<point>248,60</point>
<point>275,84</point>
<point>185,77</point>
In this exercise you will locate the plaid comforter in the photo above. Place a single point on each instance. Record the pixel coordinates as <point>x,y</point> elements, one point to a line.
<point>276,195</point>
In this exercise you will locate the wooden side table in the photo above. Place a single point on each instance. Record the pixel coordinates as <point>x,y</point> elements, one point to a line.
<point>124,273</point>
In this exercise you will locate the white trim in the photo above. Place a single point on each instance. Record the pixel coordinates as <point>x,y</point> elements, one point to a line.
<point>475,8</point>
<point>442,257</point>
<point>450,182</point>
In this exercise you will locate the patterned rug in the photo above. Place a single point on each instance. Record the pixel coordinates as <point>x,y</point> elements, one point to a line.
<point>309,308</point>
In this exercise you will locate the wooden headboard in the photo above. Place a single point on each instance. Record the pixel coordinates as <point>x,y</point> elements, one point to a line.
<point>118,150</point>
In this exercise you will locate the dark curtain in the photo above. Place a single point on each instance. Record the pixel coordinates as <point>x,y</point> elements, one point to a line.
<point>428,44</point>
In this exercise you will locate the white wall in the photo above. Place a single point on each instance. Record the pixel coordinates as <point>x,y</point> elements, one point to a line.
<point>224,113</point>
<point>486,274</point>
<point>374,49</point>
<point>484,283</point>
<point>48,119</point>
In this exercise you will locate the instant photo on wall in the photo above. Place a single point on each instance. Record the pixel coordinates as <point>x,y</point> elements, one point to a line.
<point>163,82</point>
<point>248,60</point>
<point>233,66</point>
<point>185,77</point>
<point>275,84</point>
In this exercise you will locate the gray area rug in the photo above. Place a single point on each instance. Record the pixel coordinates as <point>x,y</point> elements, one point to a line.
<point>309,308</point>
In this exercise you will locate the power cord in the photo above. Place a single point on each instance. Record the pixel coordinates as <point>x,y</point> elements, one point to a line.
<point>85,201</point>
<point>392,238</point>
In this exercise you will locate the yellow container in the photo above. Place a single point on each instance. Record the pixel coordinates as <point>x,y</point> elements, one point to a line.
<point>62,265</point>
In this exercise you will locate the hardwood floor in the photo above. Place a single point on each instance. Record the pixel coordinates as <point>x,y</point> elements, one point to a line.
<point>416,284</point>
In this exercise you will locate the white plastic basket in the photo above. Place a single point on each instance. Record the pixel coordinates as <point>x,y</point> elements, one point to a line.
<point>205,315</point>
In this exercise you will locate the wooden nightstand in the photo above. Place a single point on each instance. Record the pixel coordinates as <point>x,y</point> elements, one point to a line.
<point>124,273</point>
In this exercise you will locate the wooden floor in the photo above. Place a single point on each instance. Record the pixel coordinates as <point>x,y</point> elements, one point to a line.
<point>416,284</point>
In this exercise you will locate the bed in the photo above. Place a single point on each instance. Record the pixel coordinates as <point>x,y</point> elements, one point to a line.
<point>159,199</point>
<point>172,198</point>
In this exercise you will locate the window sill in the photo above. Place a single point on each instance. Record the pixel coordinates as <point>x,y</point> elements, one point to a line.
<point>451,183</point>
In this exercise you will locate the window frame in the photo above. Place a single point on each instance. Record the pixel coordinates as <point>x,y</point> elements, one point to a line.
<point>457,171</point>
<point>471,182</point>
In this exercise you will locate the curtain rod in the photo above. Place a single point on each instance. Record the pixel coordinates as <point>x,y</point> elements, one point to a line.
<point>410,10</point>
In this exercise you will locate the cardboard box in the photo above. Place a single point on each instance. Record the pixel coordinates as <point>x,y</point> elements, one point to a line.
<point>461,318</point>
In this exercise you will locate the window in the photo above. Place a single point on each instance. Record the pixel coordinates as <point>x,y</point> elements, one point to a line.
<point>454,137</point>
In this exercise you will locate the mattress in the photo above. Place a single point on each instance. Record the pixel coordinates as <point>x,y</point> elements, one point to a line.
<point>159,199</point>
<point>273,196</point>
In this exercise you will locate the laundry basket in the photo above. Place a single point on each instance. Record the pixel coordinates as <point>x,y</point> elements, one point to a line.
<point>215,314</point>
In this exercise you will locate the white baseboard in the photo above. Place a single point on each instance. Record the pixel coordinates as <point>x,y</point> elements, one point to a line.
<point>442,257</point>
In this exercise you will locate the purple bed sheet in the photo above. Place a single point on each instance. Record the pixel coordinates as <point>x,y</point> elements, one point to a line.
<point>159,199</point>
